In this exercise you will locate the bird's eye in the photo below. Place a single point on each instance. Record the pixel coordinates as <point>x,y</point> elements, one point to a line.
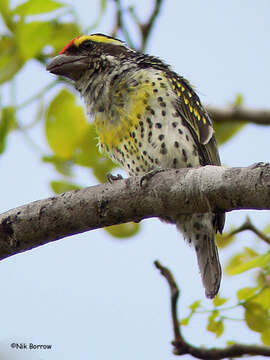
<point>87,44</point>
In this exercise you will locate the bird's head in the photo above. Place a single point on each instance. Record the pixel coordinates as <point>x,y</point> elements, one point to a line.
<point>88,52</point>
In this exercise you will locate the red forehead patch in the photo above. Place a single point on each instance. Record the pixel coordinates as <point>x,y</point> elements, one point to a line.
<point>68,45</point>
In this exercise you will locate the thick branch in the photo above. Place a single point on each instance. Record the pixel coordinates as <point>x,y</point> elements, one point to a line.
<point>165,194</point>
<point>182,347</point>
<point>239,115</point>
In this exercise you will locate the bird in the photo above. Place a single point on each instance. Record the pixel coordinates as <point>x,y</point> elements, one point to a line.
<point>147,117</point>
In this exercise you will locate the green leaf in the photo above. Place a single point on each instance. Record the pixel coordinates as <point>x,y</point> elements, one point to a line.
<point>61,165</point>
<point>265,336</point>
<point>185,321</point>
<point>194,306</point>
<point>259,262</point>
<point>256,316</point>
<point>238,100</point>
<point>66,125</point>
<point>4,7</point>
<point>10,59</point>
<point>35,7</point>
<point>7,123</point>
<point>246,293</point>
<point>239,259</point>
<point>62,34</point>
<point>225,131</point>
<point>266,230</point>
<point>219,301</point>
<point>6,14</point>
<point>88,155</point>
<point>58,187</point>
<point>32,37</point>
<point>225,239</point>
<point>103,4</point>
<point>216,327</point>
<point>263,298</point>
<point>123,230</point>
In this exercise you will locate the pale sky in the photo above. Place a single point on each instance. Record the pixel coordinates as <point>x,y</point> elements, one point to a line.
<point>95,297</point>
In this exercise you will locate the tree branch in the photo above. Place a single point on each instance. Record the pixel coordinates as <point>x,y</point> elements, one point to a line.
<point>166,194</point>
<point>239,114</point>
<point>182,347</point>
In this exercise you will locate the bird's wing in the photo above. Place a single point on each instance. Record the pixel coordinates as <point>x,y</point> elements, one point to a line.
<point>195,118</point>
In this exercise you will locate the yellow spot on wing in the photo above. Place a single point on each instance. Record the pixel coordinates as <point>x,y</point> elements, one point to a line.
<point>190,108</point>
<point>186,100</point>
<point>204,120</point>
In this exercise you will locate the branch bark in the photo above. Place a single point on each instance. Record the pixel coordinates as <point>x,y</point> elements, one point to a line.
<point>165,194</point>
<point>182,347</point>
<point>239,115</point>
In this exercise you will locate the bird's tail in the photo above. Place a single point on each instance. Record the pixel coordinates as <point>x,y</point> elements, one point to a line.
<point>199,230</point>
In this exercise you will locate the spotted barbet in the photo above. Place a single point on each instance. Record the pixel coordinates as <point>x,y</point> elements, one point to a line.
<point>147,117</point>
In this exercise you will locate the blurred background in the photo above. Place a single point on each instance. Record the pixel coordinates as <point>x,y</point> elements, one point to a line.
<point>97,296</point>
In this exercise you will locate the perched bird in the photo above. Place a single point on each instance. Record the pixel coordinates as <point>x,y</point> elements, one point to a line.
<point>147,117</point>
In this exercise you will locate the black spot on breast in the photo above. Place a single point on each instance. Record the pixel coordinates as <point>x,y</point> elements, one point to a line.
<point>184,155</point>
<point>197,226</point>
<point>161,137</point>
<point>163,149</point>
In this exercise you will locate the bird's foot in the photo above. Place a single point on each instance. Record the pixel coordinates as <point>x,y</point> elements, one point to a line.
<point>258,164</point>
<point>111,178</point>
<point>149,175</point>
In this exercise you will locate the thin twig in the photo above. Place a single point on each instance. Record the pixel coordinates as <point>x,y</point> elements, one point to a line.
<point>178,338</point>
<point>147,27</point>
<point>247,225</point>
<point>182,347</point>
<point>120,24</point>
<point>38,95</point>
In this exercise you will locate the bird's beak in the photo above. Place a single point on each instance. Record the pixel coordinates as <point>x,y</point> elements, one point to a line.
<point>69,66</point>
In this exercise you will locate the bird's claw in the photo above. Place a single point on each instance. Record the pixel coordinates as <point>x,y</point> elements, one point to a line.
<point>111,178</point>
<point>149,175</point>
<point>258,164</point>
